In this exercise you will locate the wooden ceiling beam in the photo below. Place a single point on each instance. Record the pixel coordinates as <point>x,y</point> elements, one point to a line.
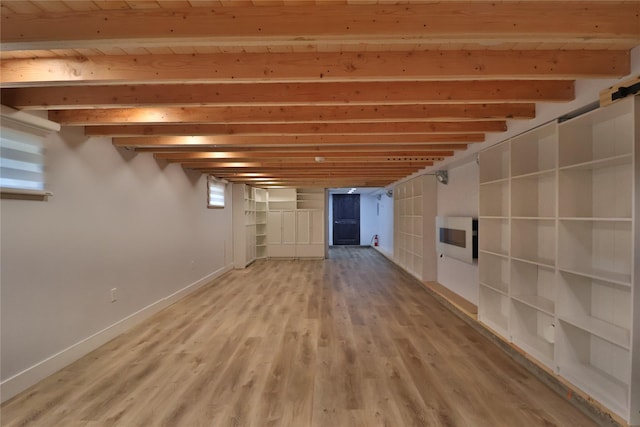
<point>288,114</point>
<point>221,173</point>
<point>290,156</point>
<point>294,169</point>
<point>318,179</point>
<point>467,21</point>
<point>307,148</point>
<point>316,67</point>
<point>293,161</point>
<point>264,129</point>
<point>292,140</point>
<point>271,164</point>
<point>326,93</point>
<point>319,183</point>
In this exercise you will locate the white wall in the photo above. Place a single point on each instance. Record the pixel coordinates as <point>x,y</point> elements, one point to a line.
<point>459,198</point>
<point>368,218</point>
<point>385,225</point>
<point>117,220</point>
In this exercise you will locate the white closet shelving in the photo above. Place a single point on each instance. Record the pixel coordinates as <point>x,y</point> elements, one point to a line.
<point>559,249</point>
<point>244,225</point>
<point>277,223</point>
<point>295,223</point>
<point>261,222</point>
<point>493,241</point>
<point>414,226</point>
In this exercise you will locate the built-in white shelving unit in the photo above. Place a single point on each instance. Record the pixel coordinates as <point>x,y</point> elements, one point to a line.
<point>261,222</point>
<point>295,223</point>
<point>414,222</point>
<point>560,248</point>
<point>277,223</point>
<point>244,225</point>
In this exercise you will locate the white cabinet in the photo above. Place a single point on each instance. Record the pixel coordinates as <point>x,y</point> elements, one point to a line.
<point>277,223</point>
<point>281,234</point>
<point>310,233</point>
<point>560,250</point>
<point>295,223</point>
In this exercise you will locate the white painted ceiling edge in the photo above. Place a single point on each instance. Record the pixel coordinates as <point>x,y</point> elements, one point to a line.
<point>587,91</point>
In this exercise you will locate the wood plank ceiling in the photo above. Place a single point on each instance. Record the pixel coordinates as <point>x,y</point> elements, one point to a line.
<point>305,93</point>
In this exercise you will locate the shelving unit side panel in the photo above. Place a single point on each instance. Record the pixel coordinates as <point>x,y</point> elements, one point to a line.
<point>494,162</point>
<point>634,399</point>
<point>535,150</point>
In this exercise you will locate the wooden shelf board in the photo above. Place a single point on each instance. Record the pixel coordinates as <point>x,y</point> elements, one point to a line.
<point>537,302</point>
<point>595,219</point>
<point>607,162</point>
<point>495,288</point>
<point>546,263</point>
<point>605,330</point>
<point>594,273</point>
<point>537,174</point>
<point>498,254</point>
<point>495,181</point>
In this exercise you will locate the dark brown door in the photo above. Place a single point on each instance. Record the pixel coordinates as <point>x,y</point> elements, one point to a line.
<point>346,219</point>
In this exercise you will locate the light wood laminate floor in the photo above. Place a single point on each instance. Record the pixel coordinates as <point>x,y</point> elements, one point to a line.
<point>348,341</point>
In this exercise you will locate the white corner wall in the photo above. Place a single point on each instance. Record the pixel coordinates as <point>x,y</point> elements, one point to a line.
<point>368,219</point>
<point>460,198</point>
<point>117,219</point>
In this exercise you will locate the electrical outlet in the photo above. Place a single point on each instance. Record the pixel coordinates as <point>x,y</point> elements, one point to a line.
<point>114,297</point>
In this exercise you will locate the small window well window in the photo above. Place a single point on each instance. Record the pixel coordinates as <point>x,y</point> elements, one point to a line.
<point>22,154</point>
<point>21,161</point>
<point>215,192</point>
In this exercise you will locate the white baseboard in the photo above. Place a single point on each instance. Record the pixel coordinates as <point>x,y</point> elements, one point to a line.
<point>386,254</point>
<point>30,376</point>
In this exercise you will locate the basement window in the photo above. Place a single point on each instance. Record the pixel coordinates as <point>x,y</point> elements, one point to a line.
<point>215,192</point>
<point>22,155</point>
